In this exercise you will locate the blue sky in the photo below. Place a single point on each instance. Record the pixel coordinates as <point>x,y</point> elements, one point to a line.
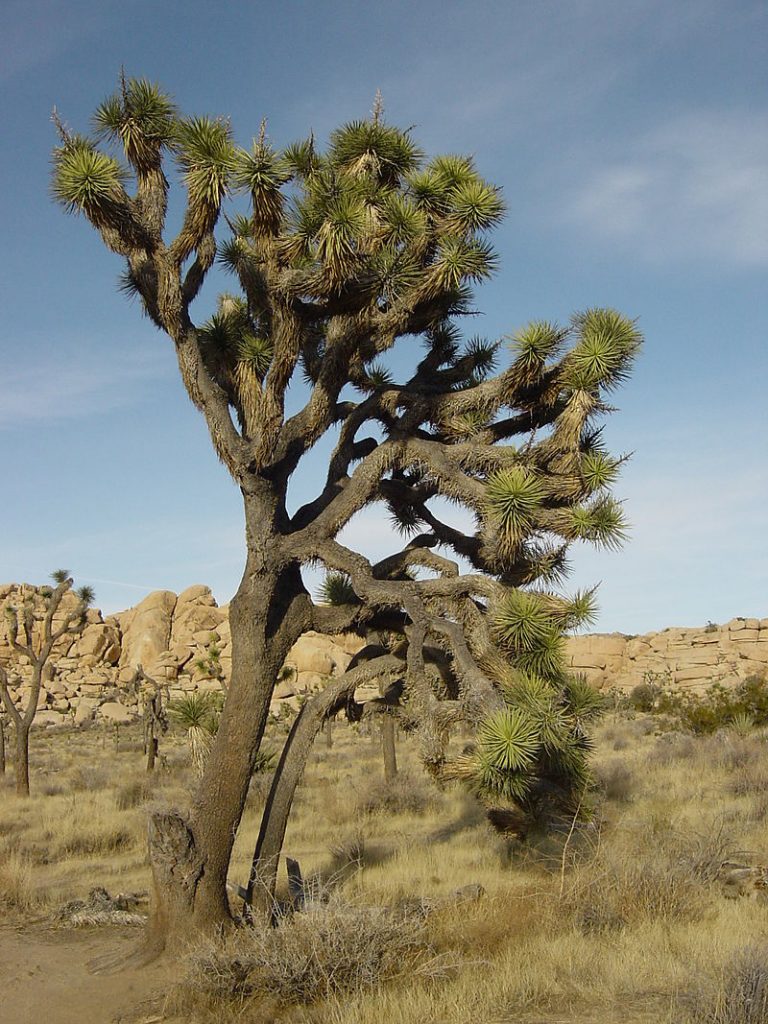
<point>631,141</point>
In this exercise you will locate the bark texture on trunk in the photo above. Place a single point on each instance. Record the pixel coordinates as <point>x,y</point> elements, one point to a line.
<point>388,747</point>
<point>190,859</point>
<point>293,760</point>
<point>319,709</point>
<point>152,748</point>
<point>22,759</point>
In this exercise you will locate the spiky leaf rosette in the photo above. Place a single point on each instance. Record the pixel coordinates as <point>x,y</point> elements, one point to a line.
<point>526,628</point>
<point>197,714</point>
<point>376,149</point>
<point>336,589</point>
<point>534,753</point>
<point>142,118</point>
<point>514,497</point>
<point>607,344</point>
<point>206,156</point>
<point>261,173</point>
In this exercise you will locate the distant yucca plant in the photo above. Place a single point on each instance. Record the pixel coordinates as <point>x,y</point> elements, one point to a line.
<point>197,713</point>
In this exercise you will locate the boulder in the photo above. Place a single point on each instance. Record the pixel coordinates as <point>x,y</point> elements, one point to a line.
<point>95,640</point>
<point>49,718</point>
<point>115,713</point>
<point>149,632</point>
<point>198,593</point>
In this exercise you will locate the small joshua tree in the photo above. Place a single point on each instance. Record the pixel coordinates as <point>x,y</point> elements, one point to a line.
<point>150,696</point>
<point>33,633</point>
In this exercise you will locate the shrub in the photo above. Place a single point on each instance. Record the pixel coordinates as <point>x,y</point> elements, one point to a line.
<point>612,896</point>
<point>87,778</point>
<point>741,996</point>
<point>616,781</point>
<point>644,696</point>
<point>329,949</point>
<point>17,890</point>
<point>404,795</point>
<point>672,747</point>
<point>131,794</point>
<point>741,708</point>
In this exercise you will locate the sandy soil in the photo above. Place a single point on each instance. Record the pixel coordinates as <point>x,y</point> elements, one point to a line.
<point>44,978</point>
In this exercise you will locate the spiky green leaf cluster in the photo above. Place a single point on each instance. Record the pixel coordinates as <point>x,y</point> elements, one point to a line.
<point>607,343</point>
<point>206,156</point>
<point>601,522</point>
<point>514,497</point>
<point>534,753</point>
<point>336,589</point>
<point>373,148</point>
<point>195,711</point>
<point>262,174</point>
<point>86,180</point>
<point>142,118</point>
<point>528,629</point>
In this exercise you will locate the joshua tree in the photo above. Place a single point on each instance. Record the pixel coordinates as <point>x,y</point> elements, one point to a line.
<point>34,634</point>
<point>354,268</point>
<point>149,696</point>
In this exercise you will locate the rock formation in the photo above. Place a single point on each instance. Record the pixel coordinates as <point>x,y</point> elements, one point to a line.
<point>181,641</point>
<point>184,642</point>
<point>691,658</point>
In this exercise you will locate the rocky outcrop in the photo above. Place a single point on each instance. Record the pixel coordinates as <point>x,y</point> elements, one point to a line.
<point>181,641</point>
<point>692,658</point>
<point>184,642</point>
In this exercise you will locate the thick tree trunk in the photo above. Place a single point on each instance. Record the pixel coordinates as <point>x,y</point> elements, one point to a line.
<point>388,747</point>
<point>22,759</point>
<point>2,746</point>
<point>190,859</point>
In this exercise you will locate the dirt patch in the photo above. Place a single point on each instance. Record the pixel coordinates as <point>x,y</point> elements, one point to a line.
<point>44,978</point>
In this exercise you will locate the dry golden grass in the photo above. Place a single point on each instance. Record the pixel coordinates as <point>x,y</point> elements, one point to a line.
<point>628,921</point>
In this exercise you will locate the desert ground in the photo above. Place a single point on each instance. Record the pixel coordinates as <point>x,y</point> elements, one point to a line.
<point>417,909</point>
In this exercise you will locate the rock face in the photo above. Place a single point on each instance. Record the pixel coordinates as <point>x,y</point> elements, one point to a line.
<point>184,642</point>
<point>691,658</point>
<point>181,641</point>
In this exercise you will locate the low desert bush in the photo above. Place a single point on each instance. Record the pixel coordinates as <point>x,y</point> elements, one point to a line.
<point>612,892</point>
<point>645,696</point>
<point>327,950</point>
<point>671,748</point>
<point>748,780</point>
<point>740,708</point>
<point>132,794</point>
<point>96,841</point>
<point>86,778</point>
<point>616,781</point>
<point>740,995</point>
<point>404,795</point>
<point>17,890</point>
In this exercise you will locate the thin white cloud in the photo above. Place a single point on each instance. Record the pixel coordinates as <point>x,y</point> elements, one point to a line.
<point>693,188</point>
<point>34,31</point>
<point>61,389</point>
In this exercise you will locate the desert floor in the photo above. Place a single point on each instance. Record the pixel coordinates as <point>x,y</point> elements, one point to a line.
<point>629,920</point>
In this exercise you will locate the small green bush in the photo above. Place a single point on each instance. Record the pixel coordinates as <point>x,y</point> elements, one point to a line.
<point>644,696</point>
<point>741,707</point>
